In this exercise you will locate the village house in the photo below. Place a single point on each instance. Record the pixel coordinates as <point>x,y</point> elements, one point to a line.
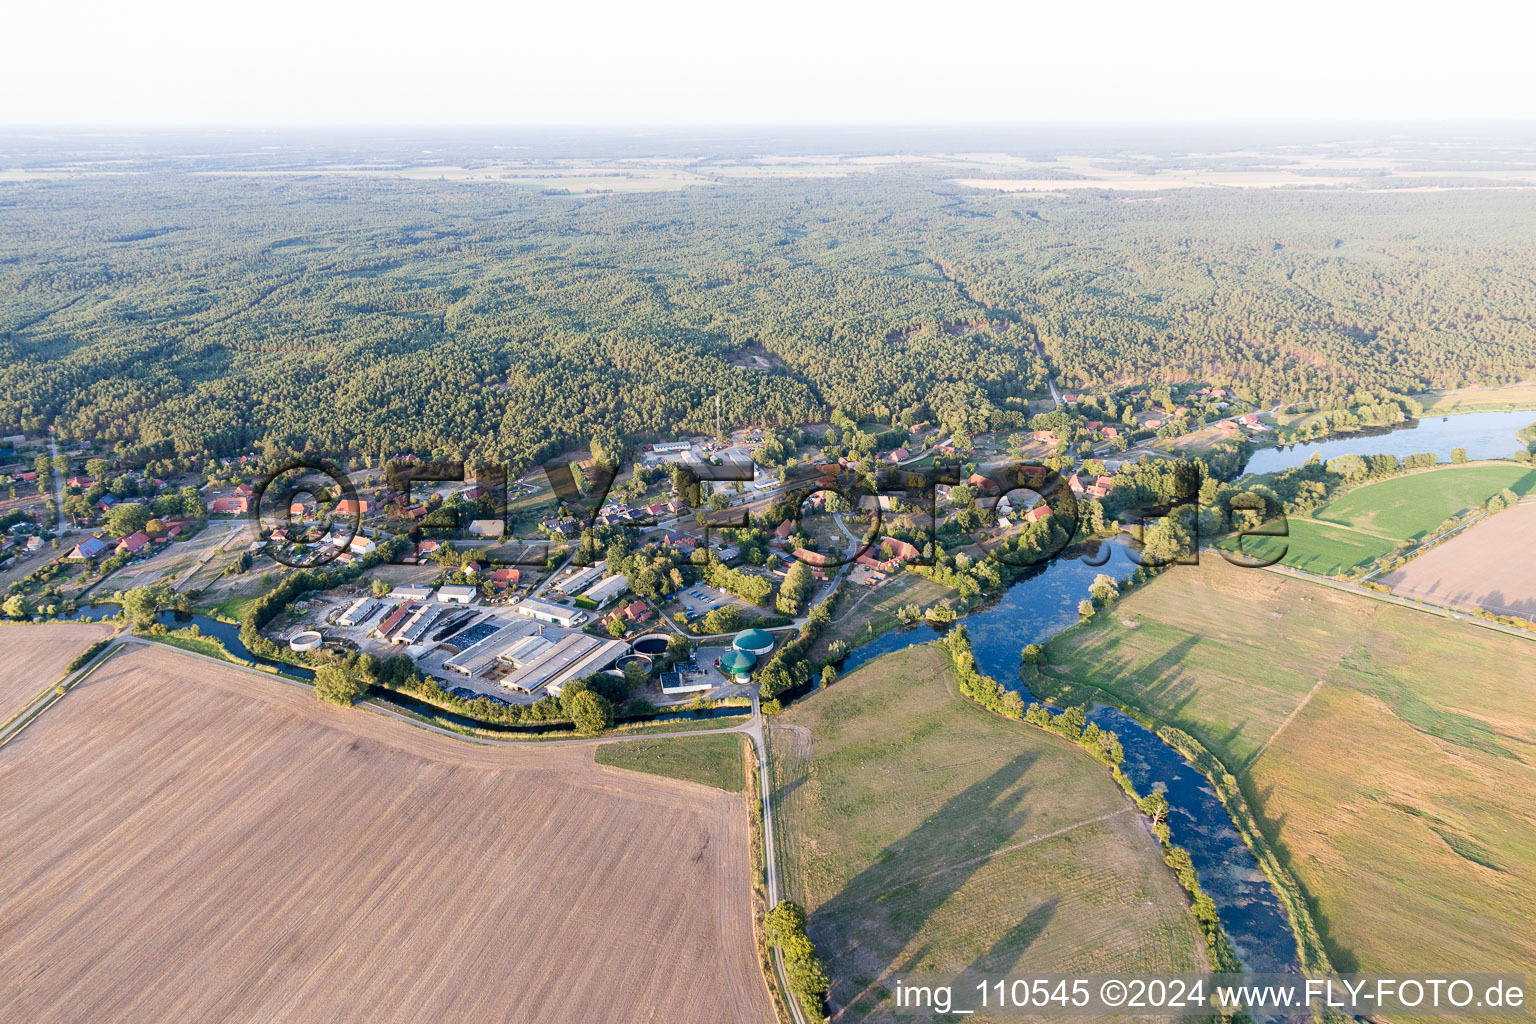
<point>237,505</point>
<point>134,543</point>
<point>982,484</point>
<point>91,548</point>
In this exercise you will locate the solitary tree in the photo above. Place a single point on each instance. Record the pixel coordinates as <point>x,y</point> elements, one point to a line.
<point>590,713</point>
<point>335,685</point>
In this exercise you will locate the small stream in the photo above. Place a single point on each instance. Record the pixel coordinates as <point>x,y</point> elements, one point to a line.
<point>1043,604</point>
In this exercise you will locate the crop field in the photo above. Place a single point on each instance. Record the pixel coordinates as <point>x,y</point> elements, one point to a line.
<point>35,656</point>
<point>1491,565</point>
<point>923,833</point>
<point>1371,521</point>
<point>185,841</point>
<point>711,760</point>
<point>1388,752</point>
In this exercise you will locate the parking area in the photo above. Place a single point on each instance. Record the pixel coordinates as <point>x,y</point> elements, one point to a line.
<point>699,599</point>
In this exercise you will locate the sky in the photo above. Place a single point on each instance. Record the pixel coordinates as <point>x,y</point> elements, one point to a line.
<point>279,62</point>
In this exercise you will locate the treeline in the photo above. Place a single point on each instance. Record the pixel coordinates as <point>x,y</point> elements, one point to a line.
<point>789,669</point>
<point>809,982</point>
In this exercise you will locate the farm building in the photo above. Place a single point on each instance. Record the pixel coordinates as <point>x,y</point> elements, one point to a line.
<point>607,590</point>
<point>484,653</point>
<point>360,611</point>
<point>580,579</point>
<point>574,656</point>
<point>412,593</point>
<point>456,594</point>
<point>551,613</point>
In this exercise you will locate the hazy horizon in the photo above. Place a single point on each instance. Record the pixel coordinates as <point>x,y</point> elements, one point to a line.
<point>173,63</point>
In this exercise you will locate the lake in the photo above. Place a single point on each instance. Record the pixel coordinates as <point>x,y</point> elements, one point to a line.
<point>1485,435</point>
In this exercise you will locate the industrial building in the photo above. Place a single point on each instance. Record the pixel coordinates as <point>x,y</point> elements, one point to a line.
<point>607,590</point>
<point>574,656</point>
<point>456,594</point>
<point>579,580</point>
<point>551,613</point>
<point>481,655</point>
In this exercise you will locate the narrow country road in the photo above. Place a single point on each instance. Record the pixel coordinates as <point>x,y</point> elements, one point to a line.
<point>770,866</point>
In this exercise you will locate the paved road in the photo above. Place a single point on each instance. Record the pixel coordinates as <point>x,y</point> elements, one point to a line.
<point>58,482</point>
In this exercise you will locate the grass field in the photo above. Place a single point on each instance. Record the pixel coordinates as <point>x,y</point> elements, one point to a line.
<point>186,841</point>
<point>1408,507</point>
<point>34,657</point>
<point>1515,396</point>
<point>863,614</point>
<point>710,760</point>
<point>925,834</point>
<point>1373,520</point>
<point>1387,752</point>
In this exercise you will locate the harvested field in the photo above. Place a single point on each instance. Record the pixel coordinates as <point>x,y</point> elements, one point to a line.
<point>185,841</point>
<point>1491,566</point>
<point>925,834</point>
<point>1387,752</point>
<point>35,656</point>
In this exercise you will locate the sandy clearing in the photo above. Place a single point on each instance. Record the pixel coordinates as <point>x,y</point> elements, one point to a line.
<point>189,842</point>
<point>1491,565</point>
<point>31,657</point>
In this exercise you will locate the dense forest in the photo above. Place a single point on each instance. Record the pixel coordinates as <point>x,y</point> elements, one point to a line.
<point>184,315</point>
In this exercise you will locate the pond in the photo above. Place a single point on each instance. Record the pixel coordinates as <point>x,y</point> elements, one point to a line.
<point>1485,435</point>
<point>1042,605</point>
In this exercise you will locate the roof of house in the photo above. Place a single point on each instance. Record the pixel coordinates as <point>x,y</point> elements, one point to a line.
<point>134,541</point>
<point>91,547</point>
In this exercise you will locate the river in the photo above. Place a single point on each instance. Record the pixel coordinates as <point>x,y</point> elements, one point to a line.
<point>1485,435</point>
<point>225,632</point>
<point>1043,604</point>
